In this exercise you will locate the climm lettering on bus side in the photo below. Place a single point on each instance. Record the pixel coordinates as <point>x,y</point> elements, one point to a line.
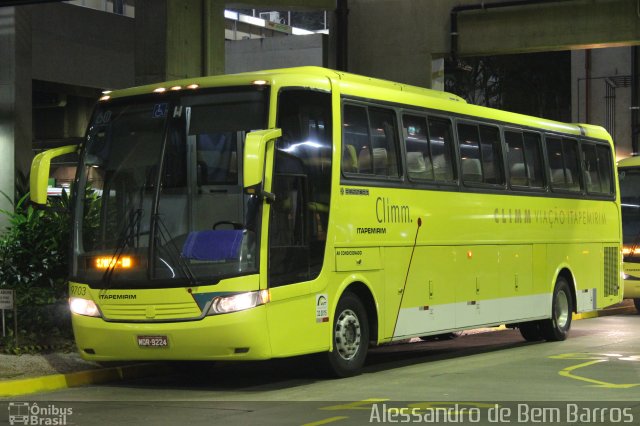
<point>512,215</point>
<point>387,212</point>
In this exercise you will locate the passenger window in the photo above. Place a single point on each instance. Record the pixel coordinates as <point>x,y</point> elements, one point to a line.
<point>597,174</point>
<point>441,145</point>
<point>480,154</point>
<point>564,165</point>
<point>524,159</point>
<point>428,152</point>
<point>533,158</point>
<point>419,163</point>
<point>370,143</point>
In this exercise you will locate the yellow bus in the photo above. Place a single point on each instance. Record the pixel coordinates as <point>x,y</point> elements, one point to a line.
<point>304,210</point>
<point>629,175</point>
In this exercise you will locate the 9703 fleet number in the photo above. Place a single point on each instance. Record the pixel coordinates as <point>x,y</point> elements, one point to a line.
<point>153,341</point>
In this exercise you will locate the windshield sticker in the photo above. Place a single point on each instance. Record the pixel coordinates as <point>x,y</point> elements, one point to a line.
<point>103,117</point>
<point>160,110</point>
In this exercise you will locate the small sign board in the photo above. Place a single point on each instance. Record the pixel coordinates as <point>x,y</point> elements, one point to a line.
<point>6,299</point>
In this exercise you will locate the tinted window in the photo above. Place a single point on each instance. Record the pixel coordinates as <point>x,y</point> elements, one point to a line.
<point>597,163</point>
<point>429,146</point>
<point>563,163</point>
<point>480,154</point>
<point>524,159</point>
<point>370,145</point>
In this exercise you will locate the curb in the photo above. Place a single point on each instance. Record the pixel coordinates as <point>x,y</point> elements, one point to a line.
<point>12,388</point>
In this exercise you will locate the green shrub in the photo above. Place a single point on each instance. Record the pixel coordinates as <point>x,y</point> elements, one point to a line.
<point>34,261</point>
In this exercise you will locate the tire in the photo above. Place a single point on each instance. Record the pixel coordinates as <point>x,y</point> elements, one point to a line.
<point>557,327</point>
<point>350,337</point>
<point>530,331</point>
<point>637,303</point>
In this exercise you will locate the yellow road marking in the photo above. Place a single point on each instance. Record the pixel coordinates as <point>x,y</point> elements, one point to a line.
<point>592,360</point>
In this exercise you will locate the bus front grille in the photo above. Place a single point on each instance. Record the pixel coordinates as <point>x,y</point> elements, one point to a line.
<point>150,313</point>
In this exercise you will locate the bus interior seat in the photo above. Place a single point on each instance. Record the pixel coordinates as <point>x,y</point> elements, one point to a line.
<point>380,161</point>
<point>518,174</point>
<point>442,168</point>
<point>471,170</point>
<point>364,160</point>
<point>417,166</point>
<point>350,159</point>
<point>562,177</point>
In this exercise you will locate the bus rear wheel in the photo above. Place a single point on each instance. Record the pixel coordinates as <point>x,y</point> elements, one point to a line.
<point>637,303</point>
<point>557,327</point>
<point>530,331</point>
<point>350,337</point>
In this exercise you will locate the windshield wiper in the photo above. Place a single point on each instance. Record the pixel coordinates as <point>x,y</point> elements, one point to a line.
<point>165,235</point>
<point>128,237</point>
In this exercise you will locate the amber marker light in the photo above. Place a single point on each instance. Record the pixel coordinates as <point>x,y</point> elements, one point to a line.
<point>104,262</point>
<point>193,86</point>
<point>175,88</point>
<point>105,98</point>
<point>159,90</point>
<point>259,82</point>
<point>630,250</point>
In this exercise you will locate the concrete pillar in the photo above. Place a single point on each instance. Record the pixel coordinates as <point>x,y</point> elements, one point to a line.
<point>15,100</point>
<point>213,38</point>
<point>178,39</point>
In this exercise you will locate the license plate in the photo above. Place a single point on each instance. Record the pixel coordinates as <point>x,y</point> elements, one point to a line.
<point>153,341</point>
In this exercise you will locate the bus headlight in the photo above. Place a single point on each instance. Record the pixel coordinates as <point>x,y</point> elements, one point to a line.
<point>238,302</point>
<point>84,307</point>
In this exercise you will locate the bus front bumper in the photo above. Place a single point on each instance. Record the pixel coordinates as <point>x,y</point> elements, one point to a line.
<point>236,336</point>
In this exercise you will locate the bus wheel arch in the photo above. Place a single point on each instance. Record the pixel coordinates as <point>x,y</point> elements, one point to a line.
<point>354,325</point>
<point>365,295</point>
<point>565,273</point>
<point>556,328</point>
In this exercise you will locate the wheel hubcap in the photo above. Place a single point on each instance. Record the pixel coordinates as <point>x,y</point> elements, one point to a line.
<point>347,334</point>
<point>562,309</point>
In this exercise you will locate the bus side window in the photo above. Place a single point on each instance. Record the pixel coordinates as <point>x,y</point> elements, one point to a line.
<point>563,158</point>
<point>441,147</point>
<point>355,141</point>
<point>533,159</point>
<point>470,153</point>
<point>384,142</point>
<point>419,163</point>
<point>515,159</point>
<point>491,155</point>
<point>605,168</point>
<point>524,159</point>
<point>597,165</point>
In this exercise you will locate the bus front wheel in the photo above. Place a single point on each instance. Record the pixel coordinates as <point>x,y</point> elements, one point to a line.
<point>350,337</point>
<point>557,327</point>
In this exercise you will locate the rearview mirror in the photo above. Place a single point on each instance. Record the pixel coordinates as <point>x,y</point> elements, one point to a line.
<point>255,151</point>
<point>40,167</point>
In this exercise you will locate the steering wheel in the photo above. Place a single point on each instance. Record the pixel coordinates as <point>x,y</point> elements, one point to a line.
<point>236,225</point>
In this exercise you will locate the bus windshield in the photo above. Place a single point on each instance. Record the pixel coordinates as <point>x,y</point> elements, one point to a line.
<point>630,203</point>
<point>160,201</point>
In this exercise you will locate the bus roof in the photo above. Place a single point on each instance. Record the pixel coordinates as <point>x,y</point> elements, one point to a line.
<point>368,88</point>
